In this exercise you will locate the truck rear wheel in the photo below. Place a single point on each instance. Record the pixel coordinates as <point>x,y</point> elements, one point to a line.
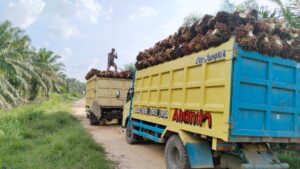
<point>93,119</point>
<point>102,122</point>
<point>175,154</point>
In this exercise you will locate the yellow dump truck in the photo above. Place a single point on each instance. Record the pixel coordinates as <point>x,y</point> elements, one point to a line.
<point>220,107</point>
<point>105,98</point>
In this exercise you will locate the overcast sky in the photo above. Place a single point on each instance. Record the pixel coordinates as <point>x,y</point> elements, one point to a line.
<point>84,31</point>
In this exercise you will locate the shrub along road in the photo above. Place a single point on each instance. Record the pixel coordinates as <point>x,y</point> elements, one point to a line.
<point>47,136</point>
<point>140,156</point>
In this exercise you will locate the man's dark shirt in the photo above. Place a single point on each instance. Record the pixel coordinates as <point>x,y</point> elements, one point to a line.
<point>111,57</point>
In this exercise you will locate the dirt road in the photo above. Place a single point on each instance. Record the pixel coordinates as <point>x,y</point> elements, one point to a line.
<point>112,137</point>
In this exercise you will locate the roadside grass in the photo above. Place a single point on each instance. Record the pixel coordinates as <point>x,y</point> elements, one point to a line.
<point>290,157</point>
<point>46,136</point>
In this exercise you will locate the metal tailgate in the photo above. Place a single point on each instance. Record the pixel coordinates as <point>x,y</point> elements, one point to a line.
<point>265,98</point>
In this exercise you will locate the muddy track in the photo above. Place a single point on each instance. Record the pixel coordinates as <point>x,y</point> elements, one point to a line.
<point>141,156</point>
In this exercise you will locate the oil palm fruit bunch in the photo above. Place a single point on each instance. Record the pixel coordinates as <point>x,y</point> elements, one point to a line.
<point>90,74</point>
<point>245,37</point>
<point>108,74</point>
<point>268,36</point>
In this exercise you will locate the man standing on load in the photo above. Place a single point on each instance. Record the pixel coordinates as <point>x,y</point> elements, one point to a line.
<point>111,56</point>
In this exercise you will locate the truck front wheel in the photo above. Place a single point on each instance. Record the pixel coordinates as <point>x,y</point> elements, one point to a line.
<point>119,121</point>
<point>131,138</point>
<point>175,154</point>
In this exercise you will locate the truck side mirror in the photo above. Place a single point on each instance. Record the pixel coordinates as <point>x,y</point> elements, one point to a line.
<point>129,95</point>
<point>118,94</point>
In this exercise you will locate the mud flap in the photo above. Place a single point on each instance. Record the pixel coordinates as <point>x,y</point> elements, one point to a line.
<point>200,155</point>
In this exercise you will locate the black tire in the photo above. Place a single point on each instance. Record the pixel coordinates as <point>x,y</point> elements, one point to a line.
<point>130,137</point>
<point>102,122</point>
<point>176,156</point>
<point>119,121</point>
<point>93,120</point>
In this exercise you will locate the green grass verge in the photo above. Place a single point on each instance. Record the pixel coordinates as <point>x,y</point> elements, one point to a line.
<point>46,136</point>
<point>290,157</point>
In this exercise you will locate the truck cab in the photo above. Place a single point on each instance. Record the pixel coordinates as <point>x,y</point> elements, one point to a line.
<point>126,107</point>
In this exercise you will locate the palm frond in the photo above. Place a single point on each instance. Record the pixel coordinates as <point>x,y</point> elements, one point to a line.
<point>3,103</point>
<point>8,91</point>
<point>290,12</point>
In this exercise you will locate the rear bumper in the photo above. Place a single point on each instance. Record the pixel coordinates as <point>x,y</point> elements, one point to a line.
<point>245,139</point>
<point>111,114</point>
<point>270,166</point>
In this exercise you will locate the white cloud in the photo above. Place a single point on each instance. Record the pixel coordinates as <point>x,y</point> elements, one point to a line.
<point>186,7</point>
<point>63,28</point>
<point>66,18</point>
<point>95,62</point>
<point>11,4</point>
<point>24,12</point>
<point>261,2</point>
<point>79,70</point>
<point>46,44</point>
<point>88,10</point>
<point>143,12</point>
<point>108,14</point>
<point>65,53</point>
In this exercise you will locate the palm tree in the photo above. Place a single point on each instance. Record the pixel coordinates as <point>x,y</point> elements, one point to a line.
<point>129,67</point>
<point>75,86</point>
<point>13,67</point>
<point>46,65</point>
<point>24,73</point>
<point>263,11</point>
<point>192,18</point>
<point>290,11</point>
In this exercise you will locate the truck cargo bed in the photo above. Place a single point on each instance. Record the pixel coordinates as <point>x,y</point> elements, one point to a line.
<point>103,91</point>
<point>225,93</point>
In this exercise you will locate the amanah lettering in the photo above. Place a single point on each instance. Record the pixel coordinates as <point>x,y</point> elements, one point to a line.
<point>191,117</point>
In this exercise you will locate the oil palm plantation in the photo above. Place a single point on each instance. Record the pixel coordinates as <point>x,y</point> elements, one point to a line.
<point>25,73</point>
<point>288,10</point>
<point>13,46</point>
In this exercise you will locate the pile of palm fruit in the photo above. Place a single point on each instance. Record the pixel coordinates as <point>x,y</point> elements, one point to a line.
<point>109,74</point>
<point>269,37</point>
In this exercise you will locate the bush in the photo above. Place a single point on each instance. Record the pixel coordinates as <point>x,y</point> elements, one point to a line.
<point>47,136</point>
